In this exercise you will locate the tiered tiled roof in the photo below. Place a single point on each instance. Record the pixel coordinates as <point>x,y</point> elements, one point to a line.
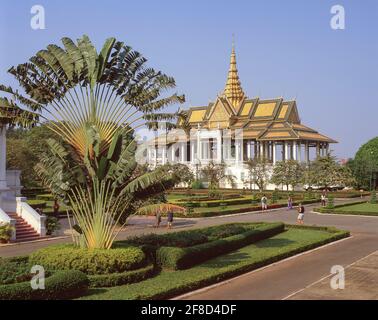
<point>272,119</point>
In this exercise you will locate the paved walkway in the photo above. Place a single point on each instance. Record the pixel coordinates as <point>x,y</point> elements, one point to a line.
<point>361,282</point>
<point>276,281</point>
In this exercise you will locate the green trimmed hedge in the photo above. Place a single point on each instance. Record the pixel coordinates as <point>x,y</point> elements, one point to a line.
<point>91,262</point>
<point>61,285</point>
<point>226,211</point>
<point>37,204</point>
<point>170,284</point>
<point>45,197</point>
<point>334,211</point>
<point>184,258</point>
<point>14,270</point>
<point>117,279</point>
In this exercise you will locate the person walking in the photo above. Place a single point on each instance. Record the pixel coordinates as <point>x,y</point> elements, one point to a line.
<point>264,203</point>
<point>158,219</point>
<point>56,208</point>
<point>169,219</point>
<point>323,199</point>
<point>289,203</point>
<point>301,211</point>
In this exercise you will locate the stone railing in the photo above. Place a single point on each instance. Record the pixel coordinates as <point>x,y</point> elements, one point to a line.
<point>4,218</point>
<point>31,216</point>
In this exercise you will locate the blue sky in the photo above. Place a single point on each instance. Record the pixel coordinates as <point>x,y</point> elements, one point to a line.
<point>284,48</point>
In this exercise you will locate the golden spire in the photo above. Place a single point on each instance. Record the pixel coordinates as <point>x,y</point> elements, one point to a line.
<point>233,90</point>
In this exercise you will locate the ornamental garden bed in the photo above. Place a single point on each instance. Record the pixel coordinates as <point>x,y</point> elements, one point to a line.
<point>15,276</point>
<point>135,268</point>
<point>169,284</point>
<point>182,250</point>
<point>226,209</point>
<point>356,208</point>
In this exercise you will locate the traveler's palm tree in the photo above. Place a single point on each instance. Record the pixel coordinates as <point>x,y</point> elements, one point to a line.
<point>12,115</point>
<point>94,102</point>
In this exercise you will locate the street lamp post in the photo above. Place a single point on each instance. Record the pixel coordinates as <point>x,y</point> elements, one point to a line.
<point>371,170</point>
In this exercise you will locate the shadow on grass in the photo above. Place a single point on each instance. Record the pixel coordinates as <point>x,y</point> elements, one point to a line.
<point>230,258</point>
<point>273,243</point>
<point>94,291</point>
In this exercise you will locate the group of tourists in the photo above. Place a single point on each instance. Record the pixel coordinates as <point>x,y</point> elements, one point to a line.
<point>264,207</point>
<point>169,219</point>
<point>301,208</point>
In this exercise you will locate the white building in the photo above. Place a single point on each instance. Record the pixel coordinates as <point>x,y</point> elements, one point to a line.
<point>234,129</point>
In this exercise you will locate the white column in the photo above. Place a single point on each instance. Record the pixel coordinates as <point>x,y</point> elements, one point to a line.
<point>307,152</point>
<point>193,150</point>
<point>318,149</point>
<point>219,147</point>
<point>156,155</point>
<point>327,148</point>
<point>3,154</point>
<point>299,151</point>
<point>183,145</point>
<point>164,155</point>
<point>173,153</point>
<point>198,146</point>
<point>294,150</point>
<point>249,149</point>
<point>237,151</point>
<point>261,150</point>
<point>286,154</point>
<point>274,152</point>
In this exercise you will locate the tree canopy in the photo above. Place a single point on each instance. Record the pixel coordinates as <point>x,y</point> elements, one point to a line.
<point>96,101</point>
<point>365,165</point>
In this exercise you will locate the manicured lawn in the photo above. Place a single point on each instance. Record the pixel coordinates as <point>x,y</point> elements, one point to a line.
<point>361,207</point>
<point>172,283</point>
<point>231,207</point>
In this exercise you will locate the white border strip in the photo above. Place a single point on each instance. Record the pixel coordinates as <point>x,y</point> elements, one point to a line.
<point>186,295</point>
<point>343,215</point>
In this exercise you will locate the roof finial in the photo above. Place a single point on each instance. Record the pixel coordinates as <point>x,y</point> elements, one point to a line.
<point>233,90</point>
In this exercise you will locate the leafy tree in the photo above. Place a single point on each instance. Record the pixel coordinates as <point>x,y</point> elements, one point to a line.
<point>215,173</point>
<point>24,146</point>
<point>365,165</point>
<point>326,172</point>
<point>258,172</point>
<point>96,101</point>
<point>287,173</point>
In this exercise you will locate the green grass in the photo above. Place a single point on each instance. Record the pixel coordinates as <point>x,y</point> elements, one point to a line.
<point>172,283</point>
<point>368,209</point>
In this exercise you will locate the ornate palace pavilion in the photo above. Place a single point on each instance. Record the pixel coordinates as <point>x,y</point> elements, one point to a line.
<point>236,128</point>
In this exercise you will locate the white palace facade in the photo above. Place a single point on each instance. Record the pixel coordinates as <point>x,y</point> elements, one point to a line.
<point>236,128</point>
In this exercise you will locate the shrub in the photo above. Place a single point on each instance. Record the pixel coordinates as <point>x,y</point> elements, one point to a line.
<point>52,224</point>
<point>196,184</point>
<point>224,231</point>
<point>373,197</point>
<point>175,239</point>
<point>183,258</point>
<point>275,196</point>
<point>117,279</point>
<point>14,270</point>
<point>5,232</point>
<point>67,284</point>
<point>91,262</point>
<point>331,202</point>
<point>45,197</point>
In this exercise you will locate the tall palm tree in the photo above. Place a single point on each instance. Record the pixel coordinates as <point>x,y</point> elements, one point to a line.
<point>95,102</point>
